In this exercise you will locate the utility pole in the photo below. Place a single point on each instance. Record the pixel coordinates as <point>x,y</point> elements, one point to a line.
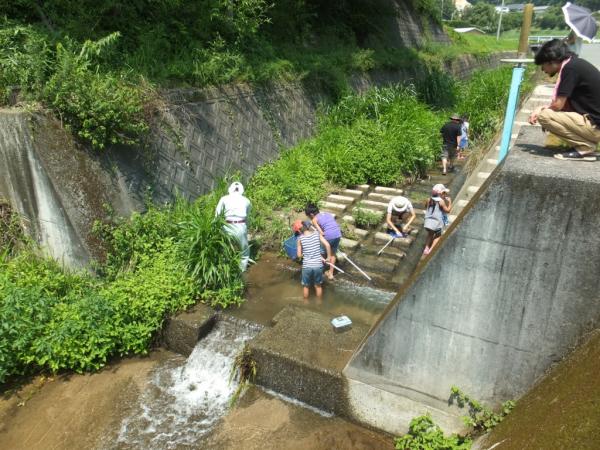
<point>500,21</point>
<point>525,28</point>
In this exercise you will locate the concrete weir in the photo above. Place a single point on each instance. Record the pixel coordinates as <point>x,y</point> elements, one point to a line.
<point>512,286</point>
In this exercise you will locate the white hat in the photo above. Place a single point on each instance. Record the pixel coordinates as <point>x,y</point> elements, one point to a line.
<point>439,189</point>
<point>236,188</point>
<point>399,204</point>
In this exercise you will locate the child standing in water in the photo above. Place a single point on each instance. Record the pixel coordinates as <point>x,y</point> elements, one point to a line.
<point>309,249</point>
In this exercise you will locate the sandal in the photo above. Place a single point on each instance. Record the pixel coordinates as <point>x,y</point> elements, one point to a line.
<point>575,156</point>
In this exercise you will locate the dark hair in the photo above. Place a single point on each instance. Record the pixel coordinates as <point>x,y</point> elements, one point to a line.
<point>552,51</point>
<point>311,209</point>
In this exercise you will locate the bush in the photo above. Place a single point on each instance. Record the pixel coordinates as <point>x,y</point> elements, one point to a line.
<point>364,218</point>
<point>423,433</point>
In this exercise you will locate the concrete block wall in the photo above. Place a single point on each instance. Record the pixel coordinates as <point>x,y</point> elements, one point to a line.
<point>203,135</point>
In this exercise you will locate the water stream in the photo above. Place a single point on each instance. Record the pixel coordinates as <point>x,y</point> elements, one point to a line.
<point>185,399</point>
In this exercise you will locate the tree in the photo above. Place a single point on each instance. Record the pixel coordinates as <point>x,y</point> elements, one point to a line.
<point>481,15</point>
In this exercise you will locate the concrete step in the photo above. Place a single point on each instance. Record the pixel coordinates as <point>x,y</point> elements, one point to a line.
<point>348,244</point>
<point>334,198</point>
<point>360,232</point>
<point>373,204</point>
<point>352,193</point>
<point>462,203</point>
<point>362,187</point>
<point>492,161</point>
<point>337,207</point>
<point>374,263</point>
<point>388,190</point>
<point>348,219</point>
<point>383,238</point>
<point>471,190</point>
<point>374,196</point>
<point>483,175</point>
<point>452,217</point>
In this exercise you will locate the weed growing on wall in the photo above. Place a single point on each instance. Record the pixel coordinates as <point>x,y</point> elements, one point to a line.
<point>480,418</point>
<point>424,433</point>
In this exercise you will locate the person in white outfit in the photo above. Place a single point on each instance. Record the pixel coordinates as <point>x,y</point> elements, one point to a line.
<point>236,209</point>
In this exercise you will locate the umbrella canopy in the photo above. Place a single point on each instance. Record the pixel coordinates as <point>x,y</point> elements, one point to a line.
<point>580,20</point>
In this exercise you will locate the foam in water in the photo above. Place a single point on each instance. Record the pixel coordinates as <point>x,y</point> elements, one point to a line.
<point>181,404</point>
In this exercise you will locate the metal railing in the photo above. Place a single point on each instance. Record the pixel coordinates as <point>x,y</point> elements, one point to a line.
<point>540,39</point>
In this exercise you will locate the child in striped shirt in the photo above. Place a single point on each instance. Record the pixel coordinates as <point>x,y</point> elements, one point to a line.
<point>309,249</point>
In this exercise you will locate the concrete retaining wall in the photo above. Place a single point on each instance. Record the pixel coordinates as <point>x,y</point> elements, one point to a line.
<point>514,284</point>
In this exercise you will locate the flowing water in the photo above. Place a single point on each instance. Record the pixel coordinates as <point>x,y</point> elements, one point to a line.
<point>185,399</point>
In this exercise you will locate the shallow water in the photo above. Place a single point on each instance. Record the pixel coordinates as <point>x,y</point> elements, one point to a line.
<point>275,283</point>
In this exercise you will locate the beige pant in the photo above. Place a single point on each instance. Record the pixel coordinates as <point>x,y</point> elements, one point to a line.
<point>571,127</point>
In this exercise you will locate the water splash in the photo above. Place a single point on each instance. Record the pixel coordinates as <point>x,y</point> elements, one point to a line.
<point>182,403</point>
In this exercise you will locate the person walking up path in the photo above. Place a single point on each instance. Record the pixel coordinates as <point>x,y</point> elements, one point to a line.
<point>451,133</point>
<point>574,114</point>
<point>236,208</point>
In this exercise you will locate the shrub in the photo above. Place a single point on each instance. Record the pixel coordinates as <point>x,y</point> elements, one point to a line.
<point>423,433</point>
<point>103,108</point>
<point>363,218</point>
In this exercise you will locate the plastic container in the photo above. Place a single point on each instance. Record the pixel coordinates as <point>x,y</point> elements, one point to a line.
<point>341,323</point>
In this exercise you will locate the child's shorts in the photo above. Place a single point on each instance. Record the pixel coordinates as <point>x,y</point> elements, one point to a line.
<point>312,276</point>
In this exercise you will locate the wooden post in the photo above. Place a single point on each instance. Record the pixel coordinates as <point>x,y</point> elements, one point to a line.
<point>525,28</point>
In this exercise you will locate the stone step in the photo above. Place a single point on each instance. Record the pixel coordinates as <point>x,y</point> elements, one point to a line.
<point>492,161</point>
<point>334,198</point>
<point>452,217</point>
<point>362,187</point>
<point>374,196</point>
<point>348,244</point>
<point>483,175</point>
<point>388,190</point>
<point>383,238</point>
<point>337,207</point>
<point>360,232</point>
<point>373,204</point>
<point>373,263</point>
<point>348,219</point>
<point>415,226</point>
<point>352,193</point>
<point>462,203</point>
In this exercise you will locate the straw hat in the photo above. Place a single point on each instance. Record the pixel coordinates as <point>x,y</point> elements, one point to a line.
<point>399,204</point>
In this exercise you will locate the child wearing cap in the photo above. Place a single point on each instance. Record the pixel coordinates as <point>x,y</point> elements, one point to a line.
<point>399,208</point>
<point>309,249</point>
<point>436,207</point>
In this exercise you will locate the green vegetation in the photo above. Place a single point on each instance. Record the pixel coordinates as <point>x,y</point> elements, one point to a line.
<point>424,433</point>
<point>382,137</point>
<point>157,263</point>
<point>363,218</point>
<point>480,418</point>
<point>98,65</point>
<point>243,371</point>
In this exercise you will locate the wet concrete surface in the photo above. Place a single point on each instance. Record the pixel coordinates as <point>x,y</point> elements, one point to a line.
<point>301,356</point>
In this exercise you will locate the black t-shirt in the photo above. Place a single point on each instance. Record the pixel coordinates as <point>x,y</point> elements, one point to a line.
<point>450,131</point>
<point>580,83</point>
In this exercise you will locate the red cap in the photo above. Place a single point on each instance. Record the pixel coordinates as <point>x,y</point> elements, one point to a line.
<point>297,226</point>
